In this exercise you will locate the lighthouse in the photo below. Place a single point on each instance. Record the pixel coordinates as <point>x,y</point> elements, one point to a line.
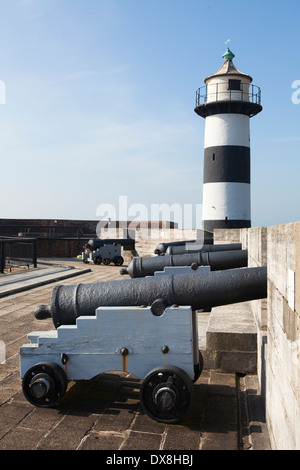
<point>227,101</point>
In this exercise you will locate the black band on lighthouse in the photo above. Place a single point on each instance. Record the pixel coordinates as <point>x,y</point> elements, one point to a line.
<point>227,163</point>
<point>235,107</point>
<point>210,225</point>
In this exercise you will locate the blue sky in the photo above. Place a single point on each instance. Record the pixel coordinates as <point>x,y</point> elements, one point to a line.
<point>100,103</point>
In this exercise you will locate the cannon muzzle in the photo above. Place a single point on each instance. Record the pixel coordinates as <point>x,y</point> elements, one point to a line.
<point>147,266</point>
<point>199,291</point>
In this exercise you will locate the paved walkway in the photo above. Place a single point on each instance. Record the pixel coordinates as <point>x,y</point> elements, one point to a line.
<point>43,274</point>
<point>104,413</point>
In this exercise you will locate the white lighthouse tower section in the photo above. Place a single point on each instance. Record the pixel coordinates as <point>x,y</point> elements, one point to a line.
<point>227,129</point>
<point>227,200</point>
<point>227,102</point>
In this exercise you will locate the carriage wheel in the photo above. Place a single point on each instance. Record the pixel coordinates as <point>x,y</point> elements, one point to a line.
<point>118,260</point>
<point>44,384</point>
<point>166,394</point>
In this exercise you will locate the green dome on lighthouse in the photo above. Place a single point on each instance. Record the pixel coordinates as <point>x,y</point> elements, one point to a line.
<point>228,55</point>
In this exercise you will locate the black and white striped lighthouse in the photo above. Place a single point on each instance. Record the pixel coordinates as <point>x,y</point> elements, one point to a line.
<point>227,101</point>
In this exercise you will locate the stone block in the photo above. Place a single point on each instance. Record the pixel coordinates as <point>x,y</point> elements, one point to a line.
<point>231,339</point>
<point>227,235</point>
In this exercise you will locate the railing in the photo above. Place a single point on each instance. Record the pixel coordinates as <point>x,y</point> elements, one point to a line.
<point>217,92</point>
<point>17,252</point>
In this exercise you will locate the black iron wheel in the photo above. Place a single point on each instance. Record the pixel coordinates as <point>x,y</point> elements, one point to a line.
<point>118,260</point>
<point>106,261</point>
<point>44,384</point>
<point>166,394</point>
<point>98,260</point>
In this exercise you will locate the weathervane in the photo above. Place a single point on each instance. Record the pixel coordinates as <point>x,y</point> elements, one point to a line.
<point>228,54</point>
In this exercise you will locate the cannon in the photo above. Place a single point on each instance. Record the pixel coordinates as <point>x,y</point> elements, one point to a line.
<point>104,254</point>
<point>106,250</point>
<point>147,327</point>
<point>199,291</point>
<point>162,247</point>
<point>206,238</point>
<point>95,243</point>
<point>196,247</point>
<point>147,266</point>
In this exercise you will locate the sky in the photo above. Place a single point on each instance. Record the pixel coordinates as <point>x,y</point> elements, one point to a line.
<point>97,104</point>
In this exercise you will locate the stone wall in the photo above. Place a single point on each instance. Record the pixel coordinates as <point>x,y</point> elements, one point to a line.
<point>55,228</point>
<point>278,325</point>
<point>60,247</point>
<point>255,241</point>
<point>154,234</point>
<point>283,350</point>
<point>146,240</point>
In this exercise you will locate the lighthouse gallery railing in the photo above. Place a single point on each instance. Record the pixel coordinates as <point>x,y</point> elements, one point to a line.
<point>216,92</point>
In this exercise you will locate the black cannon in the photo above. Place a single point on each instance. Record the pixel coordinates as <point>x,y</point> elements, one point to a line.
<point>200,292</point>
<point>196,247</point>
<point>95,243</point>
<point>204,239</point>
<point>147,327</point>
<point>162,247</point>
<point>147,266</point>
<point>107,250</point>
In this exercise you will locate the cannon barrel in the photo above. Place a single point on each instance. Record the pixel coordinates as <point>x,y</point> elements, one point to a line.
<point>196,247</point>
<point>197,290</point>
<point>96,243</point>
<point>162,247</point>
<point>147,266</point>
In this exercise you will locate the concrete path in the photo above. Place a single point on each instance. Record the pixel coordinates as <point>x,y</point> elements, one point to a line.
<point>43,274</point>
<point>104,413</point>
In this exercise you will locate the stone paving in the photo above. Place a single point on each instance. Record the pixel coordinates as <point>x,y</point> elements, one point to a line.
<point>104,413</point>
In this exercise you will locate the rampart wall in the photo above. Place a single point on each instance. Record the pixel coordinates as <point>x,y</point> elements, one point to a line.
<point>278,325</point>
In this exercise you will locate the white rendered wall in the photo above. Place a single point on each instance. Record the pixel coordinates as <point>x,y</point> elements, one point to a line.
<point>227,129</point>
<point>221,200</point>
<point>217,89</point>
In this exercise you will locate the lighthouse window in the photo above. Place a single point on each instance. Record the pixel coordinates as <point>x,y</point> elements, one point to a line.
<point>214,157</point>
<point>234,84</point>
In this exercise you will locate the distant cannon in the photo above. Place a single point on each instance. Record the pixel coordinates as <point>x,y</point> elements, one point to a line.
<point>147,266</point>
<point>95,243</point>
<point>162,247</point>
<point>106,250</point>
<point>195,247</point>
